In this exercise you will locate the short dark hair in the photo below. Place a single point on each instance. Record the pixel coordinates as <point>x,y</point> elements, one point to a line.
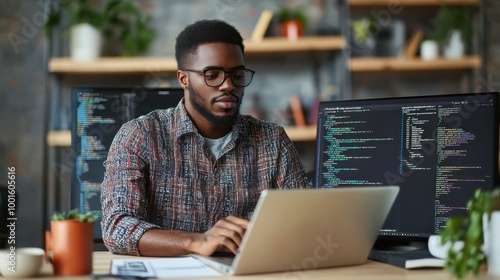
<point>204,31</point>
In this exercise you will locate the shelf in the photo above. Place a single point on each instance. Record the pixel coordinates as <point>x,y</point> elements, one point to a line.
<point>304,44</point>
<point>301,133</point>
<point>62,138</point>
<point>395,4</point>
<point>143,65</point>
<point>113,65</point>
<point>397,64</point>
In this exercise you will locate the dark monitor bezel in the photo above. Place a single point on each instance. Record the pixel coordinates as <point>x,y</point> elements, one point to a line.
<point>391,239</point>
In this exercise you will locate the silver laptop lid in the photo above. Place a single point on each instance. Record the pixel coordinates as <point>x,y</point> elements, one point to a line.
<point>293,230</point>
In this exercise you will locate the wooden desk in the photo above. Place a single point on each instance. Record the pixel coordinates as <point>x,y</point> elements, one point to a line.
<point>370,270</point>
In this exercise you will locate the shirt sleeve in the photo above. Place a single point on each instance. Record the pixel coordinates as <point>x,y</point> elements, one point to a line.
<point>123,191</point>
<point>291,173</point>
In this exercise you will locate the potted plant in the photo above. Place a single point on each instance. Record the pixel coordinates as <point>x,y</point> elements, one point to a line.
<point>292,21</point>
<point>363,36</point>
<point>473,236</point>
<point>452,30</point>
<point>120,21</point>
<point>71,242</point>
<point>83,20</point>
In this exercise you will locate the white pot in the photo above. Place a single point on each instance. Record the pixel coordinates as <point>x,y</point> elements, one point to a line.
<point>85,43</point>
<point>491,230</point>
<point>429,50</point>
<point>454,48</point>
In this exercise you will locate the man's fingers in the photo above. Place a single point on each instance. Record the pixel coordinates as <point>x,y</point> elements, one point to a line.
<point>238,221</point>
<point>228,225</point>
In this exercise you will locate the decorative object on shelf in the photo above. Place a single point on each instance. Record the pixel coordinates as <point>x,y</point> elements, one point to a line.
<point>454,48</point>
<point>363,31</point>
<point>85,42</point>
<point>329,22</point>
<point>452,30</point>
<point>262,25</point>
<point>372,38</point>
<point>120,21</point>
<point>83,20</point>
<point>412,45</point>
<point>474,234</point>
<point>429,50</point>
<point>70,243</point>
<point>293,21</point>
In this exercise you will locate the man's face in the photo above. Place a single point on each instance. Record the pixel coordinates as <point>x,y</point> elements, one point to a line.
<point>217,105</point>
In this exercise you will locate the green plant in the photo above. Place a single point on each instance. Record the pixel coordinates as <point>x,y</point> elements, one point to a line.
<point>451,18</point>
<point>121,21</point>
<point>74,214</point>
<point>77,11</point>
<point>363,29</point>
<point>286,14</point>
<point>468,230</point>
<point>128,25</point>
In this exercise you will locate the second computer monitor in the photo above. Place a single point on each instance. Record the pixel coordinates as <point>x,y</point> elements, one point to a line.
<point>438,149</point>
<point>98,115</point>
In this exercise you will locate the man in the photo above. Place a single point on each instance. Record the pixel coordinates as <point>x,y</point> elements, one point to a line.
<point>187,179</point>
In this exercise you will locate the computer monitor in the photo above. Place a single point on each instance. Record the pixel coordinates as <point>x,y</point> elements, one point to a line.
<point>98,114</point>
<point>439,149</point>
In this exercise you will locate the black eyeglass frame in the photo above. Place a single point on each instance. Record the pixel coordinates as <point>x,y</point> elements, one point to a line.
<point>230,72</point>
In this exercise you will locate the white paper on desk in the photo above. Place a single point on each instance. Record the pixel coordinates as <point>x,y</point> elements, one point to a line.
<point>181,267</point>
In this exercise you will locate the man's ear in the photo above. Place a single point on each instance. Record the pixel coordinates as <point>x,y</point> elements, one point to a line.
<point>182,78</point>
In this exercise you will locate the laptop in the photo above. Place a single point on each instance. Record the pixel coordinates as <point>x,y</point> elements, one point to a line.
<point>293,230</point>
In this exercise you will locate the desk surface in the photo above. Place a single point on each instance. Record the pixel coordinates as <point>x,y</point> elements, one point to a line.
<point>370,270</point>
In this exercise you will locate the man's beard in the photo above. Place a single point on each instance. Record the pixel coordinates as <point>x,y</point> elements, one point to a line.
<point>217,121</point>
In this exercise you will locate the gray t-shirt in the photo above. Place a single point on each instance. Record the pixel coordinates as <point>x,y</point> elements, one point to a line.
<point>217,145</point>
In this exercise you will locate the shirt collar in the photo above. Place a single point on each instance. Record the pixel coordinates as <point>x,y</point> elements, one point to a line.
<point>186,125</point>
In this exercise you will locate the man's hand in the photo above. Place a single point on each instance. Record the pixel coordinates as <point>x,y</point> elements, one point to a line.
<point>225,235</point>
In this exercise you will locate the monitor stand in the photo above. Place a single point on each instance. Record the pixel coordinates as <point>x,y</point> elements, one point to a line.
<point>386,245</point>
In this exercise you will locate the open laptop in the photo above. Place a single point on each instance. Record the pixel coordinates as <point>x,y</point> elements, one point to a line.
<point>294,230</point>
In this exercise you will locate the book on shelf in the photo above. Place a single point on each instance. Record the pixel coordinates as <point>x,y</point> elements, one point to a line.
<point>407,259</point>
<point>262,25</point>
<point>413,44</point>
<point>297,111</point>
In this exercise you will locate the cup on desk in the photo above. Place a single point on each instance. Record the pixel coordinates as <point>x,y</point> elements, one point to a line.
<point>21,262</point>
<point>69,247</point>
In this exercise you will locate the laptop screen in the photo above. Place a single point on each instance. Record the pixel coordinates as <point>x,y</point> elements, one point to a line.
<point>98,115</point>
<point>438,149</point>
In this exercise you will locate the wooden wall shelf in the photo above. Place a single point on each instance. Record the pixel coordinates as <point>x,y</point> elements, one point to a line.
<point>275,45</point>
<point>62,138</point>
<point>301,133</point>
<point>113,65</point>
<point>389,3</point>
<point>142,65</point>
<point>373,64</point>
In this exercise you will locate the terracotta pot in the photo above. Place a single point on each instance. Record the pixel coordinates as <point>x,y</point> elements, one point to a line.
<point>69,245</point>
<point>292,29</point>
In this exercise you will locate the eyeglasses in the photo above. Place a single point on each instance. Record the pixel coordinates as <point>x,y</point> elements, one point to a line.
<point>214,77</point>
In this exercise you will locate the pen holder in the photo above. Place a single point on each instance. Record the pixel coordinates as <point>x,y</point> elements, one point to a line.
<point>69,246</point>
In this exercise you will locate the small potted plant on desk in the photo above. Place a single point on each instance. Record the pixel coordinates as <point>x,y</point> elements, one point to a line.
<point>70,242</point>
<point>292,21</point>
<point>473,241</point>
